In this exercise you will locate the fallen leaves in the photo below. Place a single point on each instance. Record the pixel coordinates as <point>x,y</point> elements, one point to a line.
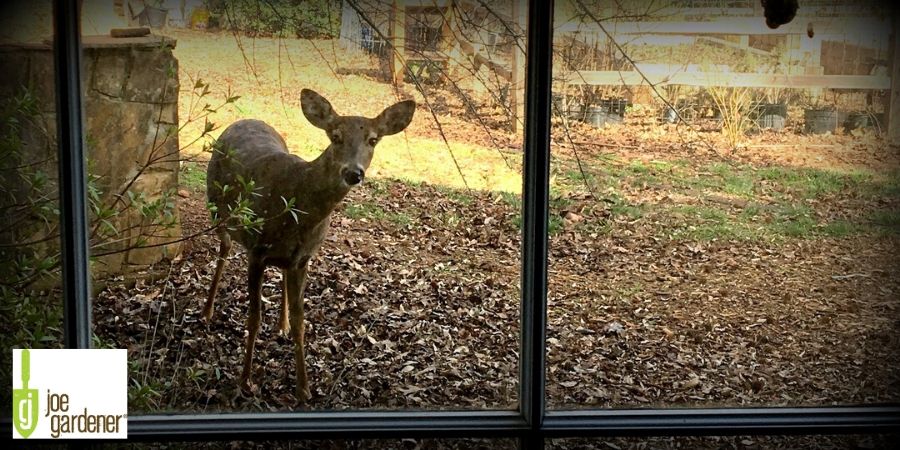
<point>423,313</point>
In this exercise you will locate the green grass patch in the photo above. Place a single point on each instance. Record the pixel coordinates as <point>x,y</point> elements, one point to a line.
<point>698,213</point>
<point>640,175</point>
<point>881,187</point>
<point>359,211</point>
<point>739,184</point>
<point>621,207</point>
<point>663,166</point>
<point>575,176</point>
<point>554,222</point>
<point>378,186</point>
<point>790,224</point>
<point>566,181</point>
<point>192,176</point>
<point>754,223</point>
<point>802,227</point>
<point>790,188</point>
<point>707,223</point>
<point>840,228</point>
<point>626,292</point>
<point>718,231</point>
<point>793,221</point>
<point>512,199</point>
<point>456,195</point>
<point>558,201</point>
<point>887,219</point>
<point>809,183</point>
<point>750,213</point>
<point>637,167</point>
<point>449,219</point>
<point>401,219</point>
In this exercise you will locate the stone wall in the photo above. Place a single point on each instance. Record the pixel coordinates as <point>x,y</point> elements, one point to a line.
<point>130,95</point>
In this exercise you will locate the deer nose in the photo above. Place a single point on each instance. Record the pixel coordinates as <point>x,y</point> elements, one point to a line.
<point>353,176</point>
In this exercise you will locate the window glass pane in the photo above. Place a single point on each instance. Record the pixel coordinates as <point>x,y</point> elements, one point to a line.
<point>412,298</point>
<point>719,245</point>
<point>398,444</point>
<point>30,283</point>
<point>822,442</point>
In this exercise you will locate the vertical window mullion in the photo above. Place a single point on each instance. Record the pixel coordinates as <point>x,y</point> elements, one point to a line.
<point>535,202</point>
<point>72,175</point>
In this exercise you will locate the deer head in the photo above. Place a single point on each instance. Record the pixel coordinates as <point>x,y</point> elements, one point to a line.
<point>353,138</point>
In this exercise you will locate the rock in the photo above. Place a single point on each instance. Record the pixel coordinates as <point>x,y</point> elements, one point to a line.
<point>129,32</point>
<point>169,114</point>
<point>573,217</point>
<point>42,76</point>
<point>154,184</point>
<point>130,95</point>
<point>15,73</point>
<point>110,71</point>
<point>116,137</point>
<point>153,77</point>
<point>107,264</point>
<point>151,252</point>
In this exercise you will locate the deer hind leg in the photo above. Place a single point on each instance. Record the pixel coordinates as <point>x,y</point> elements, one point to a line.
<point>255,270</point>
<point>296,284</point>
<point>224,250</point>
<point>284,325</point>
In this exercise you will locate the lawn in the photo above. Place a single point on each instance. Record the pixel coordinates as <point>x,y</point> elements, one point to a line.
<point>270,92</point>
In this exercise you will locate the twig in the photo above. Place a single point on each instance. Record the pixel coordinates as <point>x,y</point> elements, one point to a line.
<point>849,276</point>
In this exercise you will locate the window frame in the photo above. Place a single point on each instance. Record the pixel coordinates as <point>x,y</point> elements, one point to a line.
<point>531,422</point>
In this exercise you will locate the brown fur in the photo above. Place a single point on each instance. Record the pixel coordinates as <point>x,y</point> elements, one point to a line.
<point>252,150</point>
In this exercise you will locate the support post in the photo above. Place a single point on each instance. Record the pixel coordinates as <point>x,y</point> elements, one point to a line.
<point>449,44</point>
<point>535,200</point>
<point>397,33</point>
<point>892,113</point>
<point>72,174</point>
<point>517,74</point>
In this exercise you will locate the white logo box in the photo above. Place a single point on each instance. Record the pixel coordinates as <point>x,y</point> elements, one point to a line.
<point>95,384</point>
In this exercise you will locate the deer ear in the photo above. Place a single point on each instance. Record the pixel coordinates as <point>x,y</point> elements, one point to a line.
<point>395,118</point>
<point>316,109</point>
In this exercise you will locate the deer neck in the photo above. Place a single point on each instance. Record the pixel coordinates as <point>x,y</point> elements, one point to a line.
<point>320,191</point>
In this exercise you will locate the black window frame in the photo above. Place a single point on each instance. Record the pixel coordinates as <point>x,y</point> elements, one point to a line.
<point>532,423</point>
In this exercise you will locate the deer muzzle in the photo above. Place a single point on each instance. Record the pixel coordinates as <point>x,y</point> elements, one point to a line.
<point>352,176</point>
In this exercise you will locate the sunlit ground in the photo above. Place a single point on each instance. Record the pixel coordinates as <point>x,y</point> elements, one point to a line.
<point>268,75</point>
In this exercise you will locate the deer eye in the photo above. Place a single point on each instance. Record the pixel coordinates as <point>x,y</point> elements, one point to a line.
<point>336,138</point>
<point>373,141</point>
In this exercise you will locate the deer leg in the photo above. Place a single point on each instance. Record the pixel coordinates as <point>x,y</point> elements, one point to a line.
<point>296,285</point>
<point>255,270</point>
<point>224,250</point>
<point>284,325</point>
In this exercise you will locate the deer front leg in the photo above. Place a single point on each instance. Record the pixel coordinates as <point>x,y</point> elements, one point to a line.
<point>224,250</point>
<point>255,270</point>
<point>296,284</point>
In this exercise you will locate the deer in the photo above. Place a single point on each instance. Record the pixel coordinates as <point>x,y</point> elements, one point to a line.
<point>252,150</point>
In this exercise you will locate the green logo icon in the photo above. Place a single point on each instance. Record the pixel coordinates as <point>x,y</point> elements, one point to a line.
<point>25,401</point>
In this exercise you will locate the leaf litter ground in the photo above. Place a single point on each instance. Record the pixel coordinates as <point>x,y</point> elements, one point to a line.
<point>413,303</point>
<point>680,275</point>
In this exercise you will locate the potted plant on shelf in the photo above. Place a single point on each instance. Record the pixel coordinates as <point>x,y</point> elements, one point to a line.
<point>771,110</point>
<point>153,14</point>
<point>819,118</point>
